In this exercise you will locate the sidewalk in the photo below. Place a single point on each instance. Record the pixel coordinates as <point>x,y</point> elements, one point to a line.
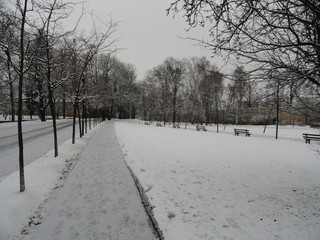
<point>99,199</point>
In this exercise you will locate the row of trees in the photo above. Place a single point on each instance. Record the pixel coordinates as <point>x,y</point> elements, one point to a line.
<point>43,65</point>
<point>181,88</point>
<point>193,90</point>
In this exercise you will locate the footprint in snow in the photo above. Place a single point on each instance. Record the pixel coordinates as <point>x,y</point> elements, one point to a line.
<point>171,215</point>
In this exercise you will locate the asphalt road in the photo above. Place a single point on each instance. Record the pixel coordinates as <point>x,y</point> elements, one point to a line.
<point>38,140</point>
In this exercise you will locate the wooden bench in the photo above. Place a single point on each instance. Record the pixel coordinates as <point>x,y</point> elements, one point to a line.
<point>176,125</point>
<point>237,131</point>
<point>158,124</point>
<point>308,137</point>
<point>201,127</point>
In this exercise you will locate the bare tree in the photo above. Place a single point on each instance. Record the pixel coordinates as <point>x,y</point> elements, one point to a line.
<point>182,89</point>
<point>157,93</point>
<point>174,72</point>
<point>106,65</point>
<point>21,70</point>
<point>196,74</point>
<point>51,13</point>
<point>167,78</point>
<point>125,86</point>
<point>9,39</point>
<point>84,49</point>
<point>276,34</point>
<point>190,91</point>
<point>238,91</point>
<point>20,56</point>
<point>118,86</point>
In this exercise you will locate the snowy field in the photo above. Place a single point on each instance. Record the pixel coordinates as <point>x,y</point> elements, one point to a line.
<point>202,185</point>
<point>208,185</point>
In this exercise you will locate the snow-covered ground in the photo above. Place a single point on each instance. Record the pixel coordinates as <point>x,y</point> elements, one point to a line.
<point>99,199</point>
<point>208,185</point>
<point>202,185</point>
<point>44,175</point>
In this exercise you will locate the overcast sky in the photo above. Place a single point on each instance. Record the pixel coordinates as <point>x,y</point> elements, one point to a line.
<point>147,35</point>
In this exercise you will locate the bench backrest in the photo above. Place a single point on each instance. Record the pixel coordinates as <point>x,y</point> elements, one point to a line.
<point>310,134</point>
<point>241,130</point>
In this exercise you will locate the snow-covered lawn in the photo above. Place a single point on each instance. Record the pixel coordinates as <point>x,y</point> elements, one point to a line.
<point>208,185</point>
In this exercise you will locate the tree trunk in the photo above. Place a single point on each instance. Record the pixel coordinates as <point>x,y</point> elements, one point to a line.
<point>41,104</point>
<point>79,117</point>
<point>13,114</point>
<point>21,75</point>
<point>207,113</point>
<point>84,116</point>
<point>50,96</point>
<point>174,107</point>
<point>268,119</point>
<point>42,114</point>
<point>54,124</point>
<point>217,115</point>
<point>74,123</point>
<point>109,112</point>
<point>278,109</point>
<point>57,110</point>
<point>64,105</point>
<point>237,115</point>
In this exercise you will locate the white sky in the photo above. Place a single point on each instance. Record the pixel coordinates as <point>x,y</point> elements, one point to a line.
<point>147,35</point>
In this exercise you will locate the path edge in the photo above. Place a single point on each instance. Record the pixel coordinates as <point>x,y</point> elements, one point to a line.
<point>146,204</point>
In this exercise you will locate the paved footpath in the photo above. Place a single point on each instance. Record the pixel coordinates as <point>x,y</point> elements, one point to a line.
<point>99,199</point>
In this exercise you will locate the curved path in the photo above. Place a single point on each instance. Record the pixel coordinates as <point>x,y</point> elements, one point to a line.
<point>99,199</point>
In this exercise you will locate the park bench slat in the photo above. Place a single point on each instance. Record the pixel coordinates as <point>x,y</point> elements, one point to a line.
<point>310,136</point>
<point>237,131</point>
<point>201,127</point>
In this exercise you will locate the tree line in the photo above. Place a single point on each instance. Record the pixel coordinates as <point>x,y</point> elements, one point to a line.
<point>279,40</point>
<point>195,91</point>
<point>43,65</point>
